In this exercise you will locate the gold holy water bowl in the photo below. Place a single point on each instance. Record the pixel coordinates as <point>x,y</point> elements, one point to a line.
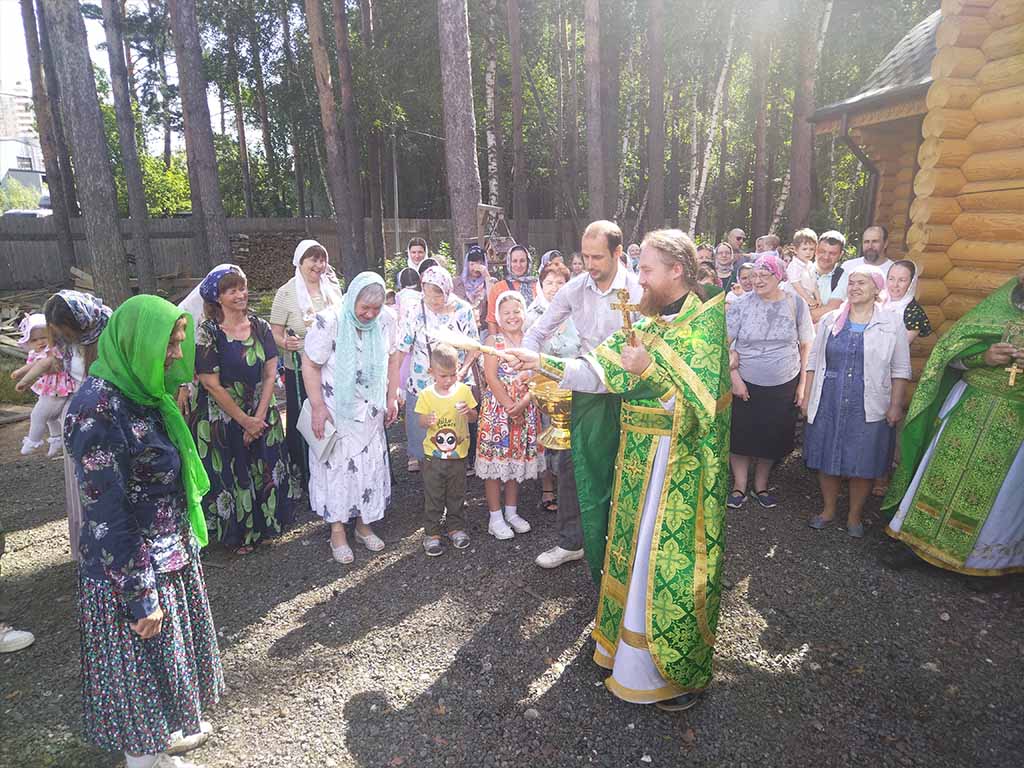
<point>556,404</point>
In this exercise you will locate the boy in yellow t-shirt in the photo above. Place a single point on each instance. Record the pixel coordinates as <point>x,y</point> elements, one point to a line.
<point>445,409</point>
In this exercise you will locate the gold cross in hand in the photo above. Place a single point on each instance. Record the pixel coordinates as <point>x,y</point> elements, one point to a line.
<point>627,310</point>
<point>1013,370</point>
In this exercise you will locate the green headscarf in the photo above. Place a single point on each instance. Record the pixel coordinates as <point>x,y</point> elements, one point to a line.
<point>130,355</point>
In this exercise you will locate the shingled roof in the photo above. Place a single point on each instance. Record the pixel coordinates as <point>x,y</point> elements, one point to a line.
<point>905,72</point>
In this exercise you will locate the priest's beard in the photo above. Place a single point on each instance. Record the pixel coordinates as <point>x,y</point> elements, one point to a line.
<point>653,301</point>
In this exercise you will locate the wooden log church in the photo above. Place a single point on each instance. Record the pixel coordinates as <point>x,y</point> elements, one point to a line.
<point>940,128</point>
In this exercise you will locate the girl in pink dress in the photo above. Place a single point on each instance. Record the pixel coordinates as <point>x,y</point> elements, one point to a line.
<point>52,388</point>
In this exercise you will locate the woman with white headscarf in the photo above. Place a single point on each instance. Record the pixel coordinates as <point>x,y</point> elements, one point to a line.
<point>346,365</point>
<point>437,309</point>
<point>900,292</point>
<point>518,266</point>
<point>313,289</point>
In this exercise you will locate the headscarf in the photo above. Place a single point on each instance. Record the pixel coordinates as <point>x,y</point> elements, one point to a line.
<point>372,365</point>
<point>408,259</point>
<point>209,289</point>
<point>527,282</point>
<point>509,295</point>
<point>475,286</point>
<point>877,277</point>
<point>90,313</point>
<point>769,261</point>
<point>439,277</point>
<point>330,290</point>
<point>900,305</point>
<point>547,257</point>
<point>29,324</point>
<point>193,303</point>
<point>131,357</point>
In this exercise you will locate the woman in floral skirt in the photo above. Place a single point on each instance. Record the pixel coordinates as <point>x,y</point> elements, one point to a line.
<point>507,449</point>
<point>150,662</point>
<point>239,430</point>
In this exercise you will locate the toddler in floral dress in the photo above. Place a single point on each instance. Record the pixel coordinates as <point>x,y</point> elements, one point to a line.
<point>507,447</point>
<point>52,386</point>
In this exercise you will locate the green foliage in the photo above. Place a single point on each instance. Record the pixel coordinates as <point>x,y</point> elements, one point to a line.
<point>15,195</point>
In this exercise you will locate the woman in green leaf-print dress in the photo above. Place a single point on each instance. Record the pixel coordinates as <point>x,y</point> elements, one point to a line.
<point>239,431</point>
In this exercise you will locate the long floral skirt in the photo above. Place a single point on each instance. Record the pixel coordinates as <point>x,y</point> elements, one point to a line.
<point>135,692</point>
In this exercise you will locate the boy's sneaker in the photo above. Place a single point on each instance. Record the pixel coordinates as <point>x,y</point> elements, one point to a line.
<point>519,524</point>
<point>432,546</point>
<point>460,539</point>
<point>499,529</point>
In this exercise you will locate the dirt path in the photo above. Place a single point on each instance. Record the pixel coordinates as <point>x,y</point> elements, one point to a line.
<point>823,656</point>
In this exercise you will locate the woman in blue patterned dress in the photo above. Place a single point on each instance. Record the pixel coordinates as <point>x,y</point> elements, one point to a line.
<point>857,375</point>
<point>150,662</point>
<point>239,429</point>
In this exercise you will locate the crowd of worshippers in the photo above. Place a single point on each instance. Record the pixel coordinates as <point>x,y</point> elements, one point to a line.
<point>356,360</point>
<point>172,436</point>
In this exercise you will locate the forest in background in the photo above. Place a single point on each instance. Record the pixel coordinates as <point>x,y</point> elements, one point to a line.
<point>716,91</point>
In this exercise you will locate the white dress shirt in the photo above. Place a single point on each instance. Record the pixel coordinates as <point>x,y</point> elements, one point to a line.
<point>590,309</point>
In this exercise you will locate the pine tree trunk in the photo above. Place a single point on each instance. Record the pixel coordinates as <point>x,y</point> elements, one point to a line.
<point>375,153</point>
<point>723,82</point>
<point>141,246</point>
<point>459,121</point>
<point>291,81</point>
<point>761,62</point>
<point>611,65</point>
<point>520,210</point>
<point>802,142</point>
<point>596,173</point>
<point>490,115</point>
<point>350,128</point>
<point>108,263</point>
<point>243,147</point>
<point>656,115</point>
<point>273,179</point>
<point>47,141</point>
<point>201,154</point>
<point>60,138</point>
<point>336,172</point>
<point>572,117</point>
<point>721,218</point>
<point>674,181</point>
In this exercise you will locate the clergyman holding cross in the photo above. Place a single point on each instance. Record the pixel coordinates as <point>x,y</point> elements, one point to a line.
<point>660,585</point>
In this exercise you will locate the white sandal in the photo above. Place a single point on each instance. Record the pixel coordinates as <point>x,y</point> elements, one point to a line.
<point>343,554</point>
<point>371,541</point>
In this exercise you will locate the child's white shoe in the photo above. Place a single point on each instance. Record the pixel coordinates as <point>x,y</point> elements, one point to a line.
<point>519,524</point>
<point>56,448</point>
<point>499,529</point>
<point>29,446</point>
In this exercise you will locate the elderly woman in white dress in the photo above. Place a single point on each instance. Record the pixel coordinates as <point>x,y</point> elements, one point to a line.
<point>345,367</point>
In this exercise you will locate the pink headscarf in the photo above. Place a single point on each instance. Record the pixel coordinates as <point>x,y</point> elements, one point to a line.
<point>877,277</point>
<point>769,261</point>
<point>438,276</point>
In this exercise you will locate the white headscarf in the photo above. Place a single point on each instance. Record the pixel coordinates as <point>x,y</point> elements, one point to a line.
<point>193,303</point>
<point>330,289</point>
<point>900,305</point>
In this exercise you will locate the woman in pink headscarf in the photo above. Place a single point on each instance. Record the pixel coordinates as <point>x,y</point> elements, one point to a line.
<point>770,332</point>
<point>857,375</point>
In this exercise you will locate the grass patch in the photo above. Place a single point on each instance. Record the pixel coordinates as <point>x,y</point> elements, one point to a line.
<point>7,392</point>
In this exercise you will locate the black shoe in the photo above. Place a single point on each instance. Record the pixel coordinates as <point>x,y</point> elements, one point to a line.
<point>680,703</point>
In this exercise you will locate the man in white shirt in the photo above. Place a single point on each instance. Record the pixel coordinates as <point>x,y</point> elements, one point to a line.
<point>873,244</point>
<point>831,276</point>
<point>588,299</point>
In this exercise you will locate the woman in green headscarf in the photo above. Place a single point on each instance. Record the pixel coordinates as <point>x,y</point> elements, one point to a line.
<point>150,662</point>
<point>345,364</point>
<point>956,496</point>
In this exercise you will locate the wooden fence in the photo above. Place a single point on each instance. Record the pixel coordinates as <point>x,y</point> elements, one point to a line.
<point>29,258</point>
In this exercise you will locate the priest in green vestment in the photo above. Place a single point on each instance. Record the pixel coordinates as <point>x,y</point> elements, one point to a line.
<point>660,585</point>
<point>957,498</point>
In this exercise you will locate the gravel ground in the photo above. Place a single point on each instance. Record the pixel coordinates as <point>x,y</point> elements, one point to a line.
<point>479,658</point>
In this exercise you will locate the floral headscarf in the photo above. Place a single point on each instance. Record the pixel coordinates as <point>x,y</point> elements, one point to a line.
<point>769,261</point>
<point>209,289</point>
<point>91,314</point>
<point>475,287</point>
<point>439,277</point>
<point>527,282</point>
